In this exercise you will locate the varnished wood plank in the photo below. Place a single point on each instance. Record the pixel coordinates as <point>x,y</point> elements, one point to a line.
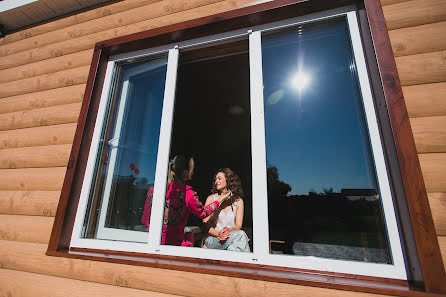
<point>24,256</point>
<point>33,203</point>
<point>74,19</point>
<point>88,41</point>
<point>48,98</point>
<point>388,2</point>
<point>429,134</point>
<point>425,100</point>
<point>418,39</point>
<point>38,136</point>
<point>437,202</point>
<point>34,229</point>
<point>124,18</point>
<point>39,83</point>
<point>57,64</point>
<point>434,171</point>
<point>35,157</point>
<point>442,242</point>
<point>422,68</point>
<point>32,179</point>
<point>24,284</point>
<point>47,116</point>
<point>414,13</point>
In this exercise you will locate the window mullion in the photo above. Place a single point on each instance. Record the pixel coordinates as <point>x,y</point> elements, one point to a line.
<point>156,220</point>
<point>259,186</point>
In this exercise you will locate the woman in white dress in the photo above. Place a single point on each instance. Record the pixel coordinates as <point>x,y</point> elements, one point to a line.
<point>224,225</point>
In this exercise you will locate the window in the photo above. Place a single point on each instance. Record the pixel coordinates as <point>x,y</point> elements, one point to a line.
<point>288,106</point>
<point>280,93</point>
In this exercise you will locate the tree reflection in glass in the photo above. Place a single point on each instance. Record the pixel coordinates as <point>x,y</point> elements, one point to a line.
<point>323,194</point>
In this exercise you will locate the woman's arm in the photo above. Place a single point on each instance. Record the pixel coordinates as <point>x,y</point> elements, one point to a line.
<point>209,200</point>
<point>196,207</point>
<point>238,216</point>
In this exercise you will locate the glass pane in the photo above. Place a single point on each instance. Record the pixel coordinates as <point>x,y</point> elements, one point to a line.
<point>323,194</point>
<point>129,151</point>
<point>212,125</point>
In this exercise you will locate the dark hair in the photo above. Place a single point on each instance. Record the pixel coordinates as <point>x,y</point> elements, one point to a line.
<point>232,182</point>
<point>177,166</point>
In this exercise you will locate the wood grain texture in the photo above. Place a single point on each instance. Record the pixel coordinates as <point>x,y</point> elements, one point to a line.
<point>425,100</point>
<point>57,64</point>
<point>418,39</point>
<point>47,116</point>
<point>422,68</point>
<point>30,257</point>
<point>388,2</point>
<point>35,157</point>
<point>124,18</point>
<point>429,134</point>
<point>414,13</point>
<point>42,99</point>
<point>437,201</point>
<point>32,203</point>
<point>18,283</point>
<point>442,242</point>
<point>88,41</point>
<point>54,80</point>
<point>434,171</point>
<point>32,179</point>
<point>74,19</point>
<point>38,136</point>
<point>25,228</point>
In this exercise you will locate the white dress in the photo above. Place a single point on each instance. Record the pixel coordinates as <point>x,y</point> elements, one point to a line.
<point>237,240</point>
<point>226,218</point>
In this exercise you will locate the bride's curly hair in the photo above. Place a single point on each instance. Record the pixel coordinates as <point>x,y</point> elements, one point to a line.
<point>232,182</point>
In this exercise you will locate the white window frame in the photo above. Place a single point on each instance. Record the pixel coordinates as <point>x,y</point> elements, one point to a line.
<point>260,254</point>
<point>111,233</point>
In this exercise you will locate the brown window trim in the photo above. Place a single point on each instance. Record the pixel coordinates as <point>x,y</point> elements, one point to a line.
<point>422,235</point>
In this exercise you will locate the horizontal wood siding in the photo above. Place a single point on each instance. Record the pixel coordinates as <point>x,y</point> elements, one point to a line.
<point>36,229</point>
<point>32,203</point>
<point>43,71</point>
<point>425,100</point>
<point>38,136</point>
<point>24,284</point>
<point>30,257</point>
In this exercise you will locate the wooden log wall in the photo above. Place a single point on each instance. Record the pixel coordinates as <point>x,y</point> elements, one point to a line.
<point>43,71</point>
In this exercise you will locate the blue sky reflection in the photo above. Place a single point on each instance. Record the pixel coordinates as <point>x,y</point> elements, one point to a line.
<point>315,132</point>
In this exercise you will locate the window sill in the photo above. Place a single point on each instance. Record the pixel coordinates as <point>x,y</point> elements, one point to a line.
<point>250,271</point>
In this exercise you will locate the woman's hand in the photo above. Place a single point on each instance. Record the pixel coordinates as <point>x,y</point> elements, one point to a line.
<point>224,196</point>
<point>223,234</point>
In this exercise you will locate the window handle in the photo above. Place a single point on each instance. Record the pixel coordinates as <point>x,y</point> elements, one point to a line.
<point>114,142</point>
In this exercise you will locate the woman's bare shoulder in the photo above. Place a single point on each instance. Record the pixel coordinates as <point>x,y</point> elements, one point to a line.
<point>210,199</point>
<point>239,200</point>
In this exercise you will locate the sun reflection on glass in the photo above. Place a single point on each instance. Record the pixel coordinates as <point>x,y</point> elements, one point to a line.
<point>300,81</point>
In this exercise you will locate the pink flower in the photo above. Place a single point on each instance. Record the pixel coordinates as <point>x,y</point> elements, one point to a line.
<point>137,171</point>
<point>186,243</point>
<point>132,166</point>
